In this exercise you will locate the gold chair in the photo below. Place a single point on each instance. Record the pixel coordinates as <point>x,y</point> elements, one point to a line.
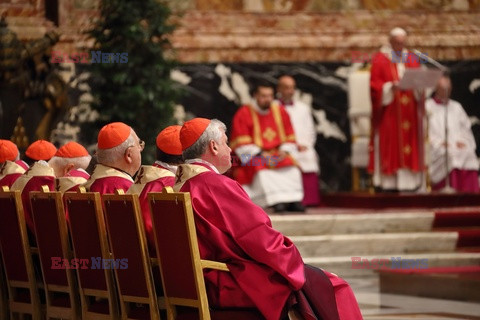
<point>55,254</point>
<point>133,267</point>
<point>359,114</point>
<point>85,219</point>
<point>180,263</point>
<point>23,295</point>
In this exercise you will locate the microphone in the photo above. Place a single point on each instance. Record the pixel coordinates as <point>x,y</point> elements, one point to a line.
<point>431,60</point>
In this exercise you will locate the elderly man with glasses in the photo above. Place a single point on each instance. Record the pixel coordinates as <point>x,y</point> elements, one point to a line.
<point>119,156</point>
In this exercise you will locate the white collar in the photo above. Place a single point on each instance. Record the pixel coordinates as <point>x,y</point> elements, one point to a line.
<point>258,109</point>
<point>192,161</point>
<point>167,166</point>
<point>387,50</point>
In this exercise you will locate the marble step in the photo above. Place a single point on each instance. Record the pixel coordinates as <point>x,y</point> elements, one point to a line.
<point>342,265</point>
<point>375,243</point>
<point>305,225</point>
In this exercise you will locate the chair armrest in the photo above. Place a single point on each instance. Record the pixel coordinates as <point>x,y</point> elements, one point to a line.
<point>208,264</point>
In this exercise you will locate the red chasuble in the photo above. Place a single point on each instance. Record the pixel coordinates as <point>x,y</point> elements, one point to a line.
<point>265,265</point>
<point>39,174</point>
<point>396,123</point>
<point>106,180</point>
<point>150,179</point>
<point>267,131</point>
<point>10,171</point>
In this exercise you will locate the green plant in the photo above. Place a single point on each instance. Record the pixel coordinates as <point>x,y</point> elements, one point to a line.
<point>140,91</point>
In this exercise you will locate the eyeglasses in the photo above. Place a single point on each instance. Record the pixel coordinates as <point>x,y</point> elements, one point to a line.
<point>141,144</point>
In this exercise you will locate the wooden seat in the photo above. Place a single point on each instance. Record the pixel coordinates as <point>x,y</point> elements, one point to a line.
<point>128,243</point>
<point>53,247</point>
<point>23,296</point>
<point>3,292</point>
<point>98,294</point>
<point>180,263</point>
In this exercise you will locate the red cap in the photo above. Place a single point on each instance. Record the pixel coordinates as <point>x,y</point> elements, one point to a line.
<point>192,130</point>
<point>41,150</point>
<point>8,151</point>
<point>168,140</point>
<point>71,150</point>
<point>113,134</point>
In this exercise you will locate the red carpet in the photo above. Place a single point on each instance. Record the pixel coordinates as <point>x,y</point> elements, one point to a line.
<point>399,200</point>
<point>467,224</point>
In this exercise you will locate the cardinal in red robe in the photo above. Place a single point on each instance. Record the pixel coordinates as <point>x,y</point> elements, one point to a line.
<point>11,168</point>
<point>161,174</point>
<point>266,269</point>
<point>10,171</point>
<point>119,158</point>
<point>69,164</point>
<point>39,175</point>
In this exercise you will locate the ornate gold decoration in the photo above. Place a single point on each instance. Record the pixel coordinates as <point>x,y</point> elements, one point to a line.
<point>19,136</point>
<point>269,134</point>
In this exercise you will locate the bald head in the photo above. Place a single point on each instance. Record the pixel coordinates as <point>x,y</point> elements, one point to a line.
<point>286,88</point>
<point>443,89</point>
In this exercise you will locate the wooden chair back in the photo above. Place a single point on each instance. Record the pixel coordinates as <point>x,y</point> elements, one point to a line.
<point>23,295</point>
<point>128,244</point>
<point>55,254</point>
<point>180,264</point>
<point>98,293</point>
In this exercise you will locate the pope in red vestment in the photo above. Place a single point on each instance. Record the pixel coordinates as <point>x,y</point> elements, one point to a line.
<point>394,140</point>
<point>266,268</point>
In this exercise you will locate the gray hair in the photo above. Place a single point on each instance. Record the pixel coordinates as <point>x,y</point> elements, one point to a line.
<point>111,156</point>
<point>212,132</point>
<point>58,163</point>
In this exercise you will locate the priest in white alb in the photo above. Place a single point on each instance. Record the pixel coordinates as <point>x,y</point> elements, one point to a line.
<point>463,163</point>
<point>305,134</point>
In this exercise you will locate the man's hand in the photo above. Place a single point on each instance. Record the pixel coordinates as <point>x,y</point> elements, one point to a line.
<point>301,148</point>
<point>395,86</point>
<point>281,155</point>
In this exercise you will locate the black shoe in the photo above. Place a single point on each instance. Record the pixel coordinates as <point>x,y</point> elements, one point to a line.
<point>296,206</point>
<point>280,207</point>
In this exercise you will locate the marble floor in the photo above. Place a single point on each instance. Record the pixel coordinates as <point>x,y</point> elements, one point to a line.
<point>376,306</point>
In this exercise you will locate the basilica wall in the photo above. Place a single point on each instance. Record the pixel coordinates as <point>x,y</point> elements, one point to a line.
<point>223,46</point>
